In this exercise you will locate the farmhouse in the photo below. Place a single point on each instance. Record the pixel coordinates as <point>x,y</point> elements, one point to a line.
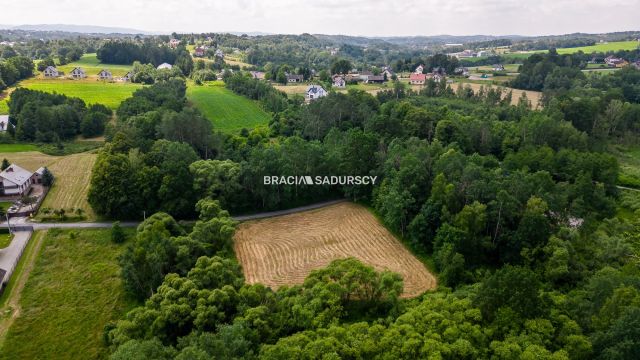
<point>51,72</point>
<point>339,82</point>
<point>435,76</point>
<point>16,180</point>
<point>613,61</point>
<point>105,75</point>
<point>364,75</point>
<point>386,71</point>
<point>78,73</point>
<point>315,92</point>
<point>417,79</point>
<point>292,78</point>
<point>374,79</point>
<point>165,66</point>
<point>419,69</point>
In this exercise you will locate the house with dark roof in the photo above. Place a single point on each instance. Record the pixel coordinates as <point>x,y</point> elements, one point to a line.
<point>199,51</point>
<point>293,78</point>
<point>315,92</point>
<point>374,79</point>
<point>338,81</point>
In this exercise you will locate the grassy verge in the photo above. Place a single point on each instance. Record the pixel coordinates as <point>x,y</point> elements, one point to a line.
<point>25,260</point>
<point>5,239</point>
<point>73,291</point>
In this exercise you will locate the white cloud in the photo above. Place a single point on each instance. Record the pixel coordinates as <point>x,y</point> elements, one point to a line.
<point>354,17</point>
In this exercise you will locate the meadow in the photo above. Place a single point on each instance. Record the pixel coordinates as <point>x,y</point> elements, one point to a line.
<point>90,90</point>
<point>227,111</point>
<point>72,292</point>
<point>72,174</point>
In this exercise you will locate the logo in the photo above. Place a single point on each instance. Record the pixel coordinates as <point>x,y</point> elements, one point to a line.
<point>319,180</point>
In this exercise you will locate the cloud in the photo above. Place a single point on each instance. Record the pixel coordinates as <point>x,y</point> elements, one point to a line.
<point>354,17</point>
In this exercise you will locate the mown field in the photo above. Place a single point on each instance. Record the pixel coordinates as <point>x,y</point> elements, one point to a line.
<point>228,112</point>
<point>12,148</point>
<point>72,173</point>
<point>90,90</point>
<point>533,96</point>
<point>92,66</point>
<point>72,292</point>
<point>285,249</point>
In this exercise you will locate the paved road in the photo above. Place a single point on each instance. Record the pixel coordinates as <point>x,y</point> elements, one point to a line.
<point>99,225</point>
<point>10,255</point>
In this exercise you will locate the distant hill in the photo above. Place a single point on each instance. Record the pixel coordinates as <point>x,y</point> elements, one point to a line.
<point>83,29</point>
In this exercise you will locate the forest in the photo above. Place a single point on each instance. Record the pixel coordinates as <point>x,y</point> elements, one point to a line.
<point>517,209</point>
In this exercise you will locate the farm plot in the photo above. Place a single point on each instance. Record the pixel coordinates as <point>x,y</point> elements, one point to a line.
<point>72,172</point>
<point>92,66</point>
<point>284,250</point>
<point>533,96</point>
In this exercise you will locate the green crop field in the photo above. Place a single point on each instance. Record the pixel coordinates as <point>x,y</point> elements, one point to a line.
<point>91,91</point>
<point>228,112</point>
<point>72,292</point>
<point>13,148</point>
<point>604,47</point>
<point>92,66</point>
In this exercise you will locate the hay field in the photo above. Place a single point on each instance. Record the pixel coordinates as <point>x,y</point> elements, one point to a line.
<point>533,96</point>
<point>284,250</point>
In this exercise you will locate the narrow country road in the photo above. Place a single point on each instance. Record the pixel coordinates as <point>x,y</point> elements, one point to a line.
<point>101,225</point>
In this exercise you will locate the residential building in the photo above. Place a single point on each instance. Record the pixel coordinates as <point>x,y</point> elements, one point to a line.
<point>127,77</point>
<point>386,71</point>
<point>339,82</point>
<point>4,122</point>
<point>461,71</point>
<point>293,78</point>
<point>219,54</point>
<point>315,92</point>
<point>498,67</point>
<point>15,181</point>
<point>174,43</point>
<point>199,51</point>
<point>257,75</point>
<point>419,69</point>
<point>374,79</point>
<point>51,72</point>
<point>365,74</point>
<point>613,61</point>
<point>165,66</point>
<point>105,75</point>
<point>417,79</point>
<point>78,73</point>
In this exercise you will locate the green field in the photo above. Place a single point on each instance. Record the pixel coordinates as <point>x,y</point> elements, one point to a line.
<point>4,107</point>
<point>228,112</point>
<point>73,291</point>
<point>5,239</point>
<point>89,90</point>
<point>92,66</point>
<point>629,160</point>
<point>13,148</point>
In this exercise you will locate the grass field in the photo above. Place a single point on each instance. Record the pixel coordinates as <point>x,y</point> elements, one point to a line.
<point>12,148</point>
<point>4,107</point>
<point>91,91</point>
<point>5,240</point>
<point>92,66</point>
<point>533,96</point>
<point>228,112</point>
<point>73,291</point>
<point>285,249</point>
<point>72,173</point>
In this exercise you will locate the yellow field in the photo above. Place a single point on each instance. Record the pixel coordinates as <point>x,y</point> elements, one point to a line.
<point>72,173</point>
<point>283,250</point>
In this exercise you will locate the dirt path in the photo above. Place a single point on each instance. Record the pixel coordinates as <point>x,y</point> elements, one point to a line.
<point>11,308</point>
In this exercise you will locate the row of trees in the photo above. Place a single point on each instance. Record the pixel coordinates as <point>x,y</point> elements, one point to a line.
<point>14,69</point>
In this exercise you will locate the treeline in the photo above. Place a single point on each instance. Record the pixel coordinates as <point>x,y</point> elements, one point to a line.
<point>15,69</point>
<point>51,118</point>
<point>148,52</point>
<point>271,99</point>
<point>145,167</point>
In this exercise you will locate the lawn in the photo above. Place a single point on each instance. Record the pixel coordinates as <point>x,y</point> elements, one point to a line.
<point>91,91</point>
<point>5,239</point>
<point>4,107</point>
<point>73,291</point>
<point>72,174</point>
<point>92,66</point>
<point>227,111</point>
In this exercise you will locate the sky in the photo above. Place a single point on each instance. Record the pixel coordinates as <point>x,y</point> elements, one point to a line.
<point>349,17</point>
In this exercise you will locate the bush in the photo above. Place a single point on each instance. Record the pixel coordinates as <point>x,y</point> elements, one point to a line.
<point>117,233</point>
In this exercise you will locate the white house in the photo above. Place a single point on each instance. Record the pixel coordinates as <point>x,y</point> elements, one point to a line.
<point>128,77</point>
<point>339,82</point>
<point>78,73</point>
<point>315,92</point>
<point>51,72</point>
<point>219,54</point>
<point>16,180</point>
<point>105,75</point>
<point>4,122</point>
<point>164,66</point>
<point>419,69</point>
